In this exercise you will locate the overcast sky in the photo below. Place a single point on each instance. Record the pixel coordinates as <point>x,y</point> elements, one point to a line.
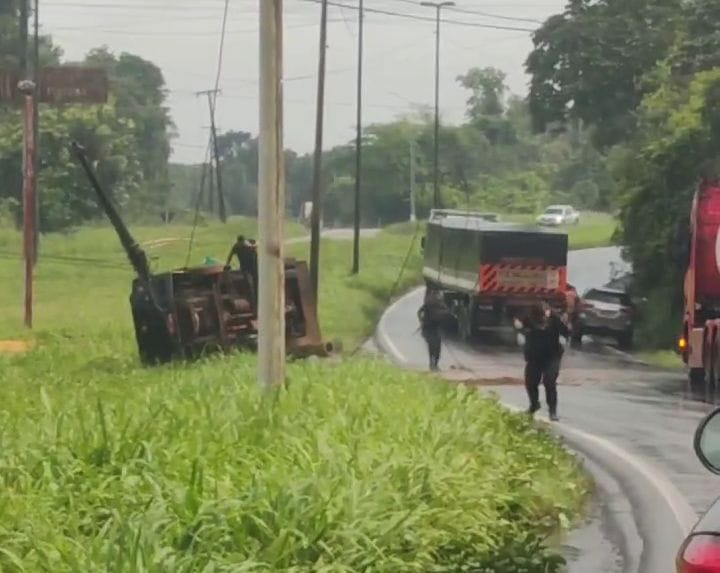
<point>182,37</point>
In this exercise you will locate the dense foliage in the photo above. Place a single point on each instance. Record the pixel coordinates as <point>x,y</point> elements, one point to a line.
<point>128,138</point>
<point>643,77</point>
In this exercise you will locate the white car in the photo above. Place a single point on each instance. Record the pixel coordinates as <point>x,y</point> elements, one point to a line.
<point>556,215</point>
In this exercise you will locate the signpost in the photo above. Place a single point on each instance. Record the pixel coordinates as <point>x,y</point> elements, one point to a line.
<point>62,85</point>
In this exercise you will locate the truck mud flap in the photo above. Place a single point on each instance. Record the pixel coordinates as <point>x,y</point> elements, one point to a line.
<point>299,287</point>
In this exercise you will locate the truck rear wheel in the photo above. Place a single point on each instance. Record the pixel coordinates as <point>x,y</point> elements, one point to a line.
<point>696,382</point>
<point>465,323</point>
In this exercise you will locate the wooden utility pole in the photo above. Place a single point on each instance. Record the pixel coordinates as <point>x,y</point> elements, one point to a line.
<point>271,200</point>
<point>29,209</point>
<point>36,126</point>
<point>358,146</point>
<point>316,214</point>
<point>27,89</point>
<point>413,216</point>
<point>215,157</point>
<point>23,33</point>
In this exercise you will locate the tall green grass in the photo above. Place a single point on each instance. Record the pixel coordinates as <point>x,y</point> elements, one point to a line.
<point>108,466</point>
<point>105,466</point>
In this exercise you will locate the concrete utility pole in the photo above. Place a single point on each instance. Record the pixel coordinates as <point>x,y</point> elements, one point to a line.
<point>358,146</point>
<point>316,214</point>
<point>437,203</point>
<point>271,200</point>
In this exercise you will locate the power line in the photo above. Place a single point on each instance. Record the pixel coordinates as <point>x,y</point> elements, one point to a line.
<point>479,13</point>
<point>426,18</point>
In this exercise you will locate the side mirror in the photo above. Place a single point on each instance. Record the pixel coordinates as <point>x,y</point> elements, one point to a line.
<point>707,442</point>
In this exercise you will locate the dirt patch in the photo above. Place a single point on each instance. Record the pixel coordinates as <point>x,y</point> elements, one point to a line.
<point>14,346</point>
<point>470,379</point>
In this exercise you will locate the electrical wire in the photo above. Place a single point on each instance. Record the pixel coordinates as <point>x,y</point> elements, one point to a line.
<point>479,13</point>
<point>423,18</point>
<point>213,105</point>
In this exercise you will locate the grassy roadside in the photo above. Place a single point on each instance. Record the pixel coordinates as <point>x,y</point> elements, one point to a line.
<point>107,466</point>
<point>667,359</point>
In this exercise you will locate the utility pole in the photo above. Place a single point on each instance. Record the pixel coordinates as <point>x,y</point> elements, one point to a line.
<point>413,216</point>
<point>271,200</point>
<point>27,89</point>
<point>316,213</point>
<point>211,186</point>
<point>215,157</point>
<point>437,203</point>
<point>358,146</point>
<point>23,33</point>
<point>36,126</point>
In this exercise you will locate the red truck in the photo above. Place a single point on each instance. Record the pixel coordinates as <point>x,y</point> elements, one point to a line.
<point>699,343</point>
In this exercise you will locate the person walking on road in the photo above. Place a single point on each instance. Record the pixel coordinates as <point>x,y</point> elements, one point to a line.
<point>543,354</point>
<point>432,314</point>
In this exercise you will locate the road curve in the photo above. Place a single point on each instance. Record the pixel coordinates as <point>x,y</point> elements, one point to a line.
<point>631,421</point>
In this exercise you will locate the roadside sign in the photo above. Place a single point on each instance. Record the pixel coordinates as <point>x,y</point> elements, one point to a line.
<point>72,84</point>
<point>59,85</point>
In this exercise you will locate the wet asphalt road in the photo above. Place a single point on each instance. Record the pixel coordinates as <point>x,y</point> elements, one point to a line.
<point>642,410</point>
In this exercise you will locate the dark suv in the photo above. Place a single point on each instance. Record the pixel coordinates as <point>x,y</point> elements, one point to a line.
<point>606,312</point>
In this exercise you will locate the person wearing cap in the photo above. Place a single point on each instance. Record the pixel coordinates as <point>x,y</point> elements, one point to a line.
<point>543,352</point>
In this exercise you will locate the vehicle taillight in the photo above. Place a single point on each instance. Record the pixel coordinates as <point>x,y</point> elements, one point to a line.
<point>700,554</point>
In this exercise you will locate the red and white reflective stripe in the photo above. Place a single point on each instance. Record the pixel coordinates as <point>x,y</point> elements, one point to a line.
<point>491,279</point>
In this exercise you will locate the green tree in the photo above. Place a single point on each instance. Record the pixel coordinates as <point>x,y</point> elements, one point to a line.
<point>66,197</point>
<point>588,63</point>
<point>488,87</point>
<point>139,88</point>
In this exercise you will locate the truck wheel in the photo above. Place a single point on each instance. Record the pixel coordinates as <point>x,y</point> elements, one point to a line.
<point>464,324</point>
<point>696,382</point>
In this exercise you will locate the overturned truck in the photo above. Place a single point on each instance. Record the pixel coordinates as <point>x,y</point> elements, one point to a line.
<point>189,312</point>
<point>491,272</point>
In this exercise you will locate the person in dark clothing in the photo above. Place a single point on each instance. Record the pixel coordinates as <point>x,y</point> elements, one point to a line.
<point>543,354</point>
<point>432,314</point>
<point>246,253</point>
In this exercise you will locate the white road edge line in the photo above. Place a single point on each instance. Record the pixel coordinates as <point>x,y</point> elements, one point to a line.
<point>684,514</point>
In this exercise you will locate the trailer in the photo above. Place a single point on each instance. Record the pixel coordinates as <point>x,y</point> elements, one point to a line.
<point>699,342</point>
<point>490,272</point>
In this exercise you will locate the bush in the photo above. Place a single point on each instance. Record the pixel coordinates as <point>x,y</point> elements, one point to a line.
<point>357,467</point>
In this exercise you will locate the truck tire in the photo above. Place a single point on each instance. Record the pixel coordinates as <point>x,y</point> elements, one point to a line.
<point>696,382</point>
<point>465,326</point>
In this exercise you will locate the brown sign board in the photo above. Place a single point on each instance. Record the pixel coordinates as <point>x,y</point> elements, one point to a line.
<point>59,85</point>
